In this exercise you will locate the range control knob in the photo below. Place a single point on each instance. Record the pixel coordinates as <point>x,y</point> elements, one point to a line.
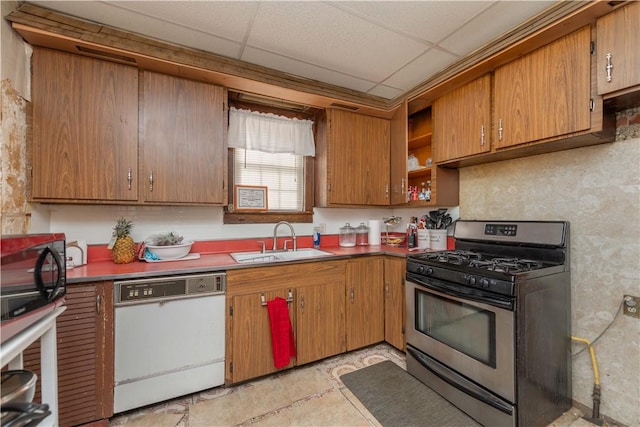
<point>484,283</point>
<point>420,269</point>
<point>471,280</point>
<point>429,271</point>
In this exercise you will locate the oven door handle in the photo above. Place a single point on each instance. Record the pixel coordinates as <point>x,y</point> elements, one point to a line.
<point>457,291</point>
<point>460,382</point>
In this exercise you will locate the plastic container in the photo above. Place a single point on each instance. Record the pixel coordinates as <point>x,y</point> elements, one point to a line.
<point>362,235</point>
<point>347,236</point>
<point>316,237</point>
<point>438,239</point>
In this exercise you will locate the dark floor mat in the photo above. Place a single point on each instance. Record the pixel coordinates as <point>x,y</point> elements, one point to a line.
<point>395,398</point>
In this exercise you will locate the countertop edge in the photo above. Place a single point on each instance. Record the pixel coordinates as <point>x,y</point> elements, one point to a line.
<point>209,263</point>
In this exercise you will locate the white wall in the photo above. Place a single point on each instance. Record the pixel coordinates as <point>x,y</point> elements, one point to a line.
<point>597,189</point>
<point>94,224</point>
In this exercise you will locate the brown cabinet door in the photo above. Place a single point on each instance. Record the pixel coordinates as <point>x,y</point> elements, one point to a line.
<point>182,149</point>
<point>251,339</point>
<point>365,302</point>
<point>85,128</point>
<point>394,301</point>
<point>462,121</point>
<point>618,39</point>
<point>358,159</point>
<point>399,152</point>
<point>545,93</point>
<point>320,321</point>
<point>85,355</point>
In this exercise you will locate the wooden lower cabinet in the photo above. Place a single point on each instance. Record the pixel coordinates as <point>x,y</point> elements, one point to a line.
<point>335,306</point>
<point>317,313</point>
<point>320,320</point>
<point>394,301</point>
<point>251,341</point>
<point>365,302</point>
<point>85,355</point>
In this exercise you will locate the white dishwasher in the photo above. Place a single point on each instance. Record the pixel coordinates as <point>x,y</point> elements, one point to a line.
<point>169,338</point>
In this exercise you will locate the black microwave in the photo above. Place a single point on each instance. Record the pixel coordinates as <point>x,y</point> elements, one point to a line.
<point>33,277</point>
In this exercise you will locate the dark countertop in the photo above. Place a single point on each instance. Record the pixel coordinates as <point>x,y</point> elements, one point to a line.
<point>108,270</point>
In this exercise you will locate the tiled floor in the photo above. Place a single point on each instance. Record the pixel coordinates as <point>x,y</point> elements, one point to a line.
<point>311,395</point>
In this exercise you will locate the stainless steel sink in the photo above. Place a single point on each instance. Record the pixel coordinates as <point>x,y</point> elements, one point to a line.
<point>260,257</point>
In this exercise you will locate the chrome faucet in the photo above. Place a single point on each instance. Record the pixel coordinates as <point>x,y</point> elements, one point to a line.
<point>275,235</point>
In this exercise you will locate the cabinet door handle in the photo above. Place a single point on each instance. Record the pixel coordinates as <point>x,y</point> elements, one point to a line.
<point>608,67</point>
<point>386,289</point>
<point>402,184</point>
<point>482,135</point>
<point>302,303</point>
<point>499,129</point>
<point>129,178</point>
<point>151,180</point>
<point>386,191</point>
<point>352,295</point>
<point>98,303</point>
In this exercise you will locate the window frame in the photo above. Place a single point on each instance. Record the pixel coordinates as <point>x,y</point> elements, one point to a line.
<point>304,216</point>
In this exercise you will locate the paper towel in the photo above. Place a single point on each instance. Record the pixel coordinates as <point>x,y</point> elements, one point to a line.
<point>374,231</point>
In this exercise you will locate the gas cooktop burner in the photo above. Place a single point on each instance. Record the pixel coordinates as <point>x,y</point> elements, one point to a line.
<point>506,265</point>
<point>453,257</point>
<point>483,261</point>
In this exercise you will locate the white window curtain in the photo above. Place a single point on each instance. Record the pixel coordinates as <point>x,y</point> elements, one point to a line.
<point>269,133</point>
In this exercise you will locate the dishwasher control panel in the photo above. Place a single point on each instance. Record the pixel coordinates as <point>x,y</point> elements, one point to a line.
<point>169,287</point>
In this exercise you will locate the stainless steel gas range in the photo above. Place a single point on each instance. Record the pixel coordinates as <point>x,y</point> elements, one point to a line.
<point>489,323</point>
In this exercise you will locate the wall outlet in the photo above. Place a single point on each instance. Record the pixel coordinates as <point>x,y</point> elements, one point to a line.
<point>631,306</point>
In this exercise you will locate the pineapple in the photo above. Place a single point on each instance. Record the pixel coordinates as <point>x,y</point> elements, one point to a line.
<point>123,249</point>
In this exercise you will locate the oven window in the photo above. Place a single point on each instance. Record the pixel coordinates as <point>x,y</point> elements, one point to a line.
<point>461,326</point>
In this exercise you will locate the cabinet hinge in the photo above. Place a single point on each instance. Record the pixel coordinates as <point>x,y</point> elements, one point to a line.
<point>593,47</point>
<point>230,311</point>
<point>592,105</point>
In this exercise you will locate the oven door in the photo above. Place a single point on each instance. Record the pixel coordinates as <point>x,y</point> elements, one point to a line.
<point>469,335</point>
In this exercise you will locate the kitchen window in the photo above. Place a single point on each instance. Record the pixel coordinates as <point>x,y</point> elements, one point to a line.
<point>274,151</point>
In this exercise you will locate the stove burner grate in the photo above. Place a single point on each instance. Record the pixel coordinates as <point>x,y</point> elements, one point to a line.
<point>454,257</point>
<point>506,265</point>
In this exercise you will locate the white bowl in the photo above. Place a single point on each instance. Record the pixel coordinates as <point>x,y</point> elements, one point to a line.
<point>171,252</point>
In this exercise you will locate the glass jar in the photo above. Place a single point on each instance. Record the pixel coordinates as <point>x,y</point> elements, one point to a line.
<point>347,236</point>
<point>362,235</point>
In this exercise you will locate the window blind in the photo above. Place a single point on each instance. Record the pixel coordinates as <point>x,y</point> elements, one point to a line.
<point>281,173</point>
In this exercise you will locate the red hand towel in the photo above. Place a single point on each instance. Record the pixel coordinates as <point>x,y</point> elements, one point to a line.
<point>282,341</point>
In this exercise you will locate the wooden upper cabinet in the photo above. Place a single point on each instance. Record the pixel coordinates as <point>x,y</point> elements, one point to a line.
<point>617,49</point>
<point>352,160</point>
<point>462,121</point>
<point>85,129</point>
<point>545,93</point>
<point>399,153</point>
<point>183,154</point>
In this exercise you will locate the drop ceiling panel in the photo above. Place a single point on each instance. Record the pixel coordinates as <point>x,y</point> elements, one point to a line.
<point>429,21</point>
<point>383,48</point>
<point>317,33</point>
<point>420,69</point>
<point>385,91</point>
<point>226,19</point>
<point>299,68</point>
<point>493,22</point>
